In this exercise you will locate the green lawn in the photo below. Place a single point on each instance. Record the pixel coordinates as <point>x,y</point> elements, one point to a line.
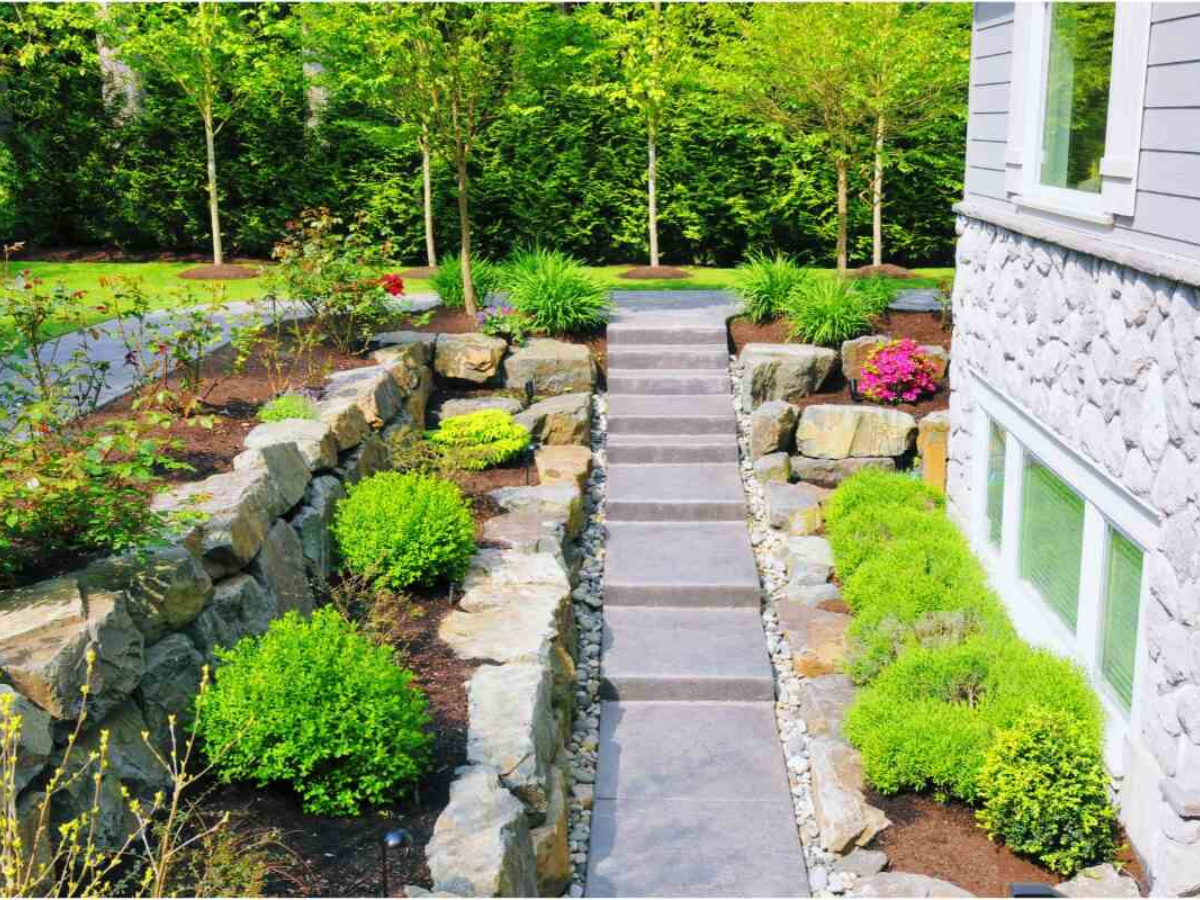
<point>162,283</point>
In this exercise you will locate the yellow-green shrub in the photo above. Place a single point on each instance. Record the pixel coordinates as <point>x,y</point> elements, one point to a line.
<point>480,439</point>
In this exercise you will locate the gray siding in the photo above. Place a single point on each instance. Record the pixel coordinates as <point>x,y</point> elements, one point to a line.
<point>1167,214</point>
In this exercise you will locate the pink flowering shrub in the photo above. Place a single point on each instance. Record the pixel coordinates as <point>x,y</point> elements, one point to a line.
<point>898,372</point>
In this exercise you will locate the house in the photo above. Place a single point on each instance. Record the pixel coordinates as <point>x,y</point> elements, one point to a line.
<point>1075,412</point>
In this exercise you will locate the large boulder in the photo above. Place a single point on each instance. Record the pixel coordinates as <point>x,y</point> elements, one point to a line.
<point>372,389</point>
<point>551,840</point>
<point>856,351</point>
<point>35,742</point>
<point>817,638</point>
<point>563,464</point>
<point>829,473</point>
<point>795,508</point>
<point>492,571</point>
<point>562,502</point>
<point>345,417</point>
<point>774,468</point>
<point>527,532</point>
<point>807,559</point>
<point>783,371</point>
<point>481,845</point>
<point>419,343</point>
<point>907,884</point>
<point>46,632</point>
<point>173,673</point>
<point>772,428</point>
<point>286,467</point>
<point>371,456</point>
<point>280,566</point>
<point>566,419</point>
<point>240,607</point>
<point>843,815</point>
<point>824,702</point>
<point>312,523</point>
<point>554,367</point>
<point>469,357</point>
<point>940,358</point>
<point>313,438</point>
<point>933,446</point>
<point>1099,881</point>
<point>834,431</point>
<point>463,406</point>
<point>165,588</point>
<point>405,359</point>
<point>513,729</point>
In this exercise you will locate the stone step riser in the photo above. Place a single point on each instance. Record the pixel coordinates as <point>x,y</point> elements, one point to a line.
<point>698,337</point>
<point>708,596</point>
<point>681,453</point>
<point>633,688</point>
<point>659,385</point>
<point>675,511</point>
<point>691,425</point>
<point>667,358</point>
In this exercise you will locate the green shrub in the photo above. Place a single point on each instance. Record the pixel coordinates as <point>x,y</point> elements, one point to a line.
<point>314,704</point>
<point>447,281</point>
<point>480,439</point>
<point>856,536</point>
<point>876,292</point>
<point>873,487</point>
<point>556,292</point>
<point>929,719</point>
<point>287,406</point>
<point>1045,792</point>
<point>765,283</point>
<point>828,311</point>
<point>404,530</point>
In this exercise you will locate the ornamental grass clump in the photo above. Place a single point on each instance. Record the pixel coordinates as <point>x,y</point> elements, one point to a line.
<point>765,283</point>
<point>405,529</point>
<point>287,406</point>
<point>828,311</point>
<point>479,440</point>
<point>555,292</point>
<point>447,281</point>
<point>314,704</point>
<point>898,372</point>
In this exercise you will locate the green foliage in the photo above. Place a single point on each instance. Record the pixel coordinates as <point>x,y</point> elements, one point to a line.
<point>505,322</point>
<point>314,704</point>
<point>447,281</point>
<point>929,719</point>
<point>766,283</point>
<point>405,529</point>
<point>480,439</point>
<point>876,487</point>
<point>1045,792</point>
<point>859,534</point>
<point>555,292</point>
<point>829,311</point>
<point>287,406</point>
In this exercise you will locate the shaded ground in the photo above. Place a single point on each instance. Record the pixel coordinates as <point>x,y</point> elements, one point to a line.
<point>226,272</point>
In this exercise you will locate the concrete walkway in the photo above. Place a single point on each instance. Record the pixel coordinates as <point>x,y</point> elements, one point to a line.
<point>691,796</point>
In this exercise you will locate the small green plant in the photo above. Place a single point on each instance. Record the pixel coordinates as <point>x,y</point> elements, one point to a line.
<point>447,281</point>
<point>314,704</point>
<point>1045,792</point>
<point>876,487</point>
<point>876,292</point>
<point>829,311</point>
<point>555,292</point>
<point>480,439</point>
<point>287,406</point>
<point>405,530</point>
<point>506,322</point>
<point>765,283</point>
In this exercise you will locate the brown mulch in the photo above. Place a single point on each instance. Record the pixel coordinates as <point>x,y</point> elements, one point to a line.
<point>653,272</point>
<point>119,255</point>
<point>422,272</point>
<point>888,270</point>
<point>224,272</point>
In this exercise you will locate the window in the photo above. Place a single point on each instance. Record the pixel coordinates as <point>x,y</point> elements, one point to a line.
<point>1122,595</point>
<point>1078,74</point>
<point>1052,540</point>
<point>995,482</point>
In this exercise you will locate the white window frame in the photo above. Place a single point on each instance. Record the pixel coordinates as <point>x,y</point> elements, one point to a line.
<point>1122,140</point>
<point>1107,507</point>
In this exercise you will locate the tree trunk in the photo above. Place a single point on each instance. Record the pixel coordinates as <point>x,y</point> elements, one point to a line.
<point>214,212</point>
<point>464,224</point>
<point>877,197</point>
<point>842,212</point>
<point>653,198</point>
<point>426,164</point>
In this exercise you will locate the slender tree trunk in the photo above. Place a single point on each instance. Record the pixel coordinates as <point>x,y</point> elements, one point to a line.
<point>653,198</point>
<point>427,176</point>
<point>842,212</point>
<point>464,224</point>
<point>214,212</point>
<point>877,196</point>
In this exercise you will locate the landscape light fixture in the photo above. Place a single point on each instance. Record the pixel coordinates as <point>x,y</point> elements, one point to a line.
<point>397,837</point>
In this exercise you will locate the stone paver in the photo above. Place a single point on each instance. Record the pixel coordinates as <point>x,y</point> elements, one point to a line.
<point>691,794</point>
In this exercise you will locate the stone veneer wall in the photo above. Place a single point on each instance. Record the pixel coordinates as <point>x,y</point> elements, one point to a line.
<point>1108,359</point>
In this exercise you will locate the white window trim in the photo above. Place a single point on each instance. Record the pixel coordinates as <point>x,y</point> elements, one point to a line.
<point>1122,143</point>
<point>1107,506</point>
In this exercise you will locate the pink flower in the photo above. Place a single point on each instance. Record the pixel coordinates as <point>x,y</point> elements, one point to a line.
<point>898,371</point>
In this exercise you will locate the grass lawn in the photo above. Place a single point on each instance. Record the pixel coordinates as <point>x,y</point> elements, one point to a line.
<point>166,289</point>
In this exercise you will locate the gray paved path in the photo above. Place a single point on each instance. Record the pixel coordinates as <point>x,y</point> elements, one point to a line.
<point>692,795</point>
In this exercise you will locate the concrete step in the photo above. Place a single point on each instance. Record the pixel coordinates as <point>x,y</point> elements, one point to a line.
<point>667,356</point>
<point>668,381</point>
<point>622,334</point>
<point>671,448</point>
<point>694,564</point>
<point>680,414</point>
<point>675,493</point>
<point>685,654</point>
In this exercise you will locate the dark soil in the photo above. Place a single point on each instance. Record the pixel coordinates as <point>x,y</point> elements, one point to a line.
<point>650,273</point>
<point>942,840</point>
<point>422,272</point>
<point>224,272</point>
<point>888,270</point>
<point>119,255</point>
<point>924,328</point>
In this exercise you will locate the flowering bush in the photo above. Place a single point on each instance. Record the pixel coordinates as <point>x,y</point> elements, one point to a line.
<point>898,372</point>
<point>392,283</point>
<point>504,321</point>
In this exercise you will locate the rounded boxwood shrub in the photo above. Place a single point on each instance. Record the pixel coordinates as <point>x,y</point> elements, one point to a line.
<point>287,406</point>
<point>1045,792</point>
<point>480,439</point>
<point>857,535</point>
<point>877,487</point>
<point>929,719</point>
<point>314,704</point>
<point>405,529</point>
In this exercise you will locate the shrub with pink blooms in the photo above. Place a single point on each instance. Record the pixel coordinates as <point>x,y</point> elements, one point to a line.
<point>898,372</point>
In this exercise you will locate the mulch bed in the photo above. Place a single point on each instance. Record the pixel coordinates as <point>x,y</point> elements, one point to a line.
<point>225,272</point>
<point>887,270</point>
<point>422,272</point>
<point>119,255</point>
<point>650,273</point>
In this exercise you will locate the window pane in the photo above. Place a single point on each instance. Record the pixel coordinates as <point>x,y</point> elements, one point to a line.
<point>1052,539</point>
<point>1077,77</point>
<point>1123,589</point>
<point>995,483</point>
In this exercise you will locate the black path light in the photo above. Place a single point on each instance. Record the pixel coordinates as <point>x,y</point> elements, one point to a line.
<point>397,837</point>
